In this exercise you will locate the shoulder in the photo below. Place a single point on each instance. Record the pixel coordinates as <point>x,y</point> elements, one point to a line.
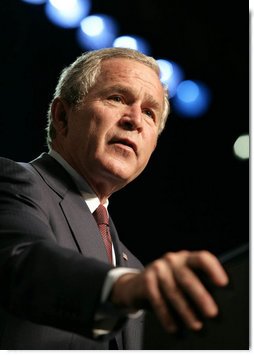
<point>15,170</point>
<point>19,186</point>
<point>23,172</point>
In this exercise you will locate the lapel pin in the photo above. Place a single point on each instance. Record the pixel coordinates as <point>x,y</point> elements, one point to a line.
<point>125,256</point>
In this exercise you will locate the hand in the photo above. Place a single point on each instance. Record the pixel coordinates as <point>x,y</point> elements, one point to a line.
<point>169,280</point>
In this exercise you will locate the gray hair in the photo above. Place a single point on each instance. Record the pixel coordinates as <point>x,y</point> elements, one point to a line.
<point>78,78</point>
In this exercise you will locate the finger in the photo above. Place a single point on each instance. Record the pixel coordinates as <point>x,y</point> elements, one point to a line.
<point>207,262</point>
<point>194,288</point>
<point>178,301</point>
<point>158,303</point>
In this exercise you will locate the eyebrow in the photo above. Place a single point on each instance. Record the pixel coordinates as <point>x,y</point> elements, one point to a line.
<point>155,104</point>
<point>128,91</point>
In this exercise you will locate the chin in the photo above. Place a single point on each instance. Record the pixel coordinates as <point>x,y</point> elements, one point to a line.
<point>120,171</point>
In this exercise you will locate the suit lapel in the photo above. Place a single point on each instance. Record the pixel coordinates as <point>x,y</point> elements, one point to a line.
<point>80,220</point>
<point>84,228</point>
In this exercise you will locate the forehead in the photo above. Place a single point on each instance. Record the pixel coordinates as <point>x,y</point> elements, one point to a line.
<point>119,67</point>
<point>132,73</point>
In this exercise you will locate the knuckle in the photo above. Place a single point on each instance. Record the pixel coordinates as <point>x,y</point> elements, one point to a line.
<point>170,257</point>
<point>204,256</point>
<point>175,258</point>
<point>156,265</point>
<point>184,253</point>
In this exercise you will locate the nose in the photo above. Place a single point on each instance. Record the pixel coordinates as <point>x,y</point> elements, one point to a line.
<point>131,119</point>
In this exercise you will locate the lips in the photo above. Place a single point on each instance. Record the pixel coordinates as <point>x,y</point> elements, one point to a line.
<point>125,141</point>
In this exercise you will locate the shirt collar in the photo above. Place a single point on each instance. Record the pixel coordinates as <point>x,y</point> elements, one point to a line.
<point>86,191</point>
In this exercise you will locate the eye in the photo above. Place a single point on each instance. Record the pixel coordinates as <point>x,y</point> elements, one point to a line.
<point>116,98</point>
<point>149,113</point>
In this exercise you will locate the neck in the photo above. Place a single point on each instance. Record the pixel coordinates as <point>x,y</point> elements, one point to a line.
<point>101,185</point>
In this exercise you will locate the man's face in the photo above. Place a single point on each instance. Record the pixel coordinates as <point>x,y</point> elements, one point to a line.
<point>110,138</point>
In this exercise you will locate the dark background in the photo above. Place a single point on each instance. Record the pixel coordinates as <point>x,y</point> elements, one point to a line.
<point>194,193</point>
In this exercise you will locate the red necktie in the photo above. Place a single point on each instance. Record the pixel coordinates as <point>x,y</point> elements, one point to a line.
<point>102,219</point>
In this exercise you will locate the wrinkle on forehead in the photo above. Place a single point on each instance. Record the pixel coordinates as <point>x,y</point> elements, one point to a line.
<point>121,66</point>
<point>119,73</point>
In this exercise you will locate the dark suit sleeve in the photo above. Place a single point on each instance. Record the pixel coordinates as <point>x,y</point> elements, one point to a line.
<point>41,281</point>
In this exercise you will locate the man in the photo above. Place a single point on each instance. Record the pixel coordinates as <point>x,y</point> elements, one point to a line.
<point>60,288</point>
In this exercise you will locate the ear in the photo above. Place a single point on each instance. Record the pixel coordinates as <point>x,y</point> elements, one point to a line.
<point>59,111</point>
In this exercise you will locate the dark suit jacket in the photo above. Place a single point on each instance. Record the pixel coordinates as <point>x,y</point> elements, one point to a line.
<point>52,262</point>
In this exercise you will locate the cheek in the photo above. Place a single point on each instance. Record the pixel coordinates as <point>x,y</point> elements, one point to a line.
<point>102,122</point>
<point>151,142</point>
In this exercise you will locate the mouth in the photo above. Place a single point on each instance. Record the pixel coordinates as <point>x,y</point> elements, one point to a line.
<point>126,142</point>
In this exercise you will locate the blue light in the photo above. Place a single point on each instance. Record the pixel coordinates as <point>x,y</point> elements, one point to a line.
<point>67,13</point>
<point>188,91</point>
<point>35,2</point>
<point>97,31</point>
<point>192,99</point>
<point>166,69</point>
<point>92,26</point>
<point>133,42</point>
<point>125,42</point>
<point>171,74</point>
